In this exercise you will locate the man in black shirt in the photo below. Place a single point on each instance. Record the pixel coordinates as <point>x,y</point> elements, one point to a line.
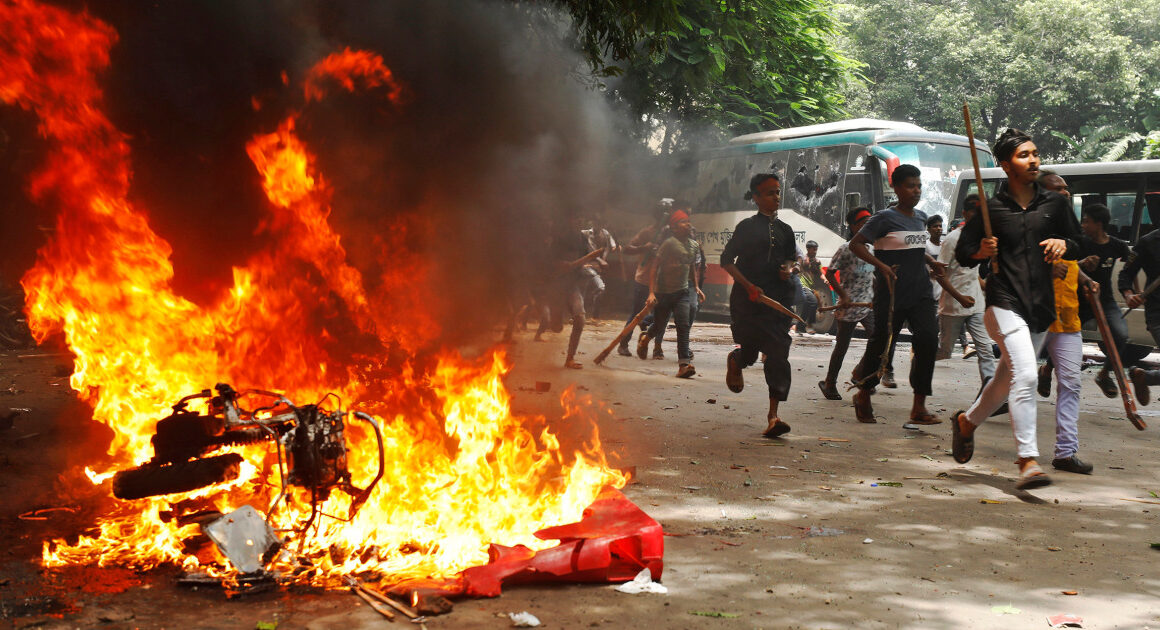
<point>759,256</point>
<point>899,237</point>
<point>1146,258</point>
<point>1099,252</point>
<point>1032,228</point>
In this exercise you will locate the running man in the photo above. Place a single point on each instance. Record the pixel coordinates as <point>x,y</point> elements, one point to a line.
<point>902,295</point>
<point>759,256</point>
<point>1032,229</point>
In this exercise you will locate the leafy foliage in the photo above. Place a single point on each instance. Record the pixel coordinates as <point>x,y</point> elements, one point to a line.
<point>1059,69</point>
<point>738,66</point>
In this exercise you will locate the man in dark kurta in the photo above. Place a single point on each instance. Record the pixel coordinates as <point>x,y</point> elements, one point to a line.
<point>759,256</point>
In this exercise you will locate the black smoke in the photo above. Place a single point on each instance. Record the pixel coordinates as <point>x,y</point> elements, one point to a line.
<point>499,134</point>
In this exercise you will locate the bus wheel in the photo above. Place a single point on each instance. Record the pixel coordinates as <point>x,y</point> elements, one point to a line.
<point>824,322</point>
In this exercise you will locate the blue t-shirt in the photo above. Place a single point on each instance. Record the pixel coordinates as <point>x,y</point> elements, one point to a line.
<point>900,240</point>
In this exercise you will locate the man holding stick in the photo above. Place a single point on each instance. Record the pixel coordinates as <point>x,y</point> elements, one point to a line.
<point>1145,257</point>
<point>853,280</point>
<point>645,242</point>
<point>902,296</point>
<point>759,256</point>
<point>1032,228</point>
<point>671,276</point>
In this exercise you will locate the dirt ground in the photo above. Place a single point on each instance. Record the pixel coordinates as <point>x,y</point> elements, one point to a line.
<point>796,532</point>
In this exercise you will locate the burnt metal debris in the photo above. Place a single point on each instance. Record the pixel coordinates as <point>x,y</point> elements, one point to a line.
<point>309,439</point>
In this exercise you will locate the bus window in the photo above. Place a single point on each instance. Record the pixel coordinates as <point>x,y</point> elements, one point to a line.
<point>721,182</point>
<point>940,165</point>
<point>1117,192</point>
<point>1151,214</point>
<point>813,183</point>
<point>989,187</point>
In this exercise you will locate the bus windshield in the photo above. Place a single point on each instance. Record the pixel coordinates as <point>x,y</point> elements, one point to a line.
<point>940,165</point>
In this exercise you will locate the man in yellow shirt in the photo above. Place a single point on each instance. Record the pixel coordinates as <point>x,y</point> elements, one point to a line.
<point>1064,344</point>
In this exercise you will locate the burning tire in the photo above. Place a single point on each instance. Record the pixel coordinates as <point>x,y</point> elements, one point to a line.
<point>151,480</point>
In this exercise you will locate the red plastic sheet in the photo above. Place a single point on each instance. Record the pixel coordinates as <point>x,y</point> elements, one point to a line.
<point>613,541</point>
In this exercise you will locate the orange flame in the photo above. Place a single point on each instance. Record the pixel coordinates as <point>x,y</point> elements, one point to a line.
<point>461,470</point>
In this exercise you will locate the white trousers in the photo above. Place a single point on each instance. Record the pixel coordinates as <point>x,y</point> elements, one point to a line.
<point>1015,378</point>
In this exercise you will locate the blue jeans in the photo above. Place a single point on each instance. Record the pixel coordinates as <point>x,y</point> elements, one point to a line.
<point>1117,325</point>
<point>675,305</point>
<point>639,297</point>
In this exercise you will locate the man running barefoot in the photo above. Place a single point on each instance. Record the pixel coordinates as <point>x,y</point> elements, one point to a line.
<point>759,256</point>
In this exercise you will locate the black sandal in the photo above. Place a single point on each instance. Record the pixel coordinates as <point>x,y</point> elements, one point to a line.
<point>963,447</point>
<point>777,430</point>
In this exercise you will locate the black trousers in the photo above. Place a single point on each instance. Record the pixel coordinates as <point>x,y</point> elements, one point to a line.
<point>920,319</point>
<point>758,328</point>
<point>842,344</point>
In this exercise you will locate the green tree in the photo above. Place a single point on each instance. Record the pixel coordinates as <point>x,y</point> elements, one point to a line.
<point>735,66</point>
<point>1050,67</point>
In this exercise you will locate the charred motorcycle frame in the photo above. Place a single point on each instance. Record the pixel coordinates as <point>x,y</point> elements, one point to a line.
<point>310,442</point>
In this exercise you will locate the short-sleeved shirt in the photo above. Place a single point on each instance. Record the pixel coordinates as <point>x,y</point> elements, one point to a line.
<point>857,279</point>
<point>759,245</point>
<point>654,236</point>
<point>900,239</point>
<point>1109,253</point>
<point>965,280</point>
<point>1066,301</point>
<point>674,258</point>
<point>933,249</point>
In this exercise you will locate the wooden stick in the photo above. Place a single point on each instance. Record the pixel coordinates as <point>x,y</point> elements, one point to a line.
<point>1142,501</point>
<point>624,333</point>
<point>1143,296</point>
<point>1114,358</point>
<point>823,309</point>
<point>979,183</point>
<point>779,307</point>
<point>403,608</point>
<point>372,603</point>
<point>884,358</point>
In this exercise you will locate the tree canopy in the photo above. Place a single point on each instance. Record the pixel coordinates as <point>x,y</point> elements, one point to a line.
<point>734,66</point>
<point>1061,70</point>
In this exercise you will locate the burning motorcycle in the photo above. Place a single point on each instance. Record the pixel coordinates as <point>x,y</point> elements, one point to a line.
<point>309,439</point>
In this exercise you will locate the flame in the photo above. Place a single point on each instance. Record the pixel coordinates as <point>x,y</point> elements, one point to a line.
<point>462,470</point>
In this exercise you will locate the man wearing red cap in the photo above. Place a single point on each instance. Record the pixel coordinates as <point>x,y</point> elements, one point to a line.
<point>673,271</point>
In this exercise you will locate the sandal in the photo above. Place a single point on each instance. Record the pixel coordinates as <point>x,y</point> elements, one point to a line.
<point>962,446</point>
<point>863,409</point>
<point>1032,476</point>
<point>829,391</point>
<point>777,430</point>
<point>1140,385</point>
<point>733,378</point>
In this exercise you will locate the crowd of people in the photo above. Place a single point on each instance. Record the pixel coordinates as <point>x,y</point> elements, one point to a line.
<point>1021,285</point>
